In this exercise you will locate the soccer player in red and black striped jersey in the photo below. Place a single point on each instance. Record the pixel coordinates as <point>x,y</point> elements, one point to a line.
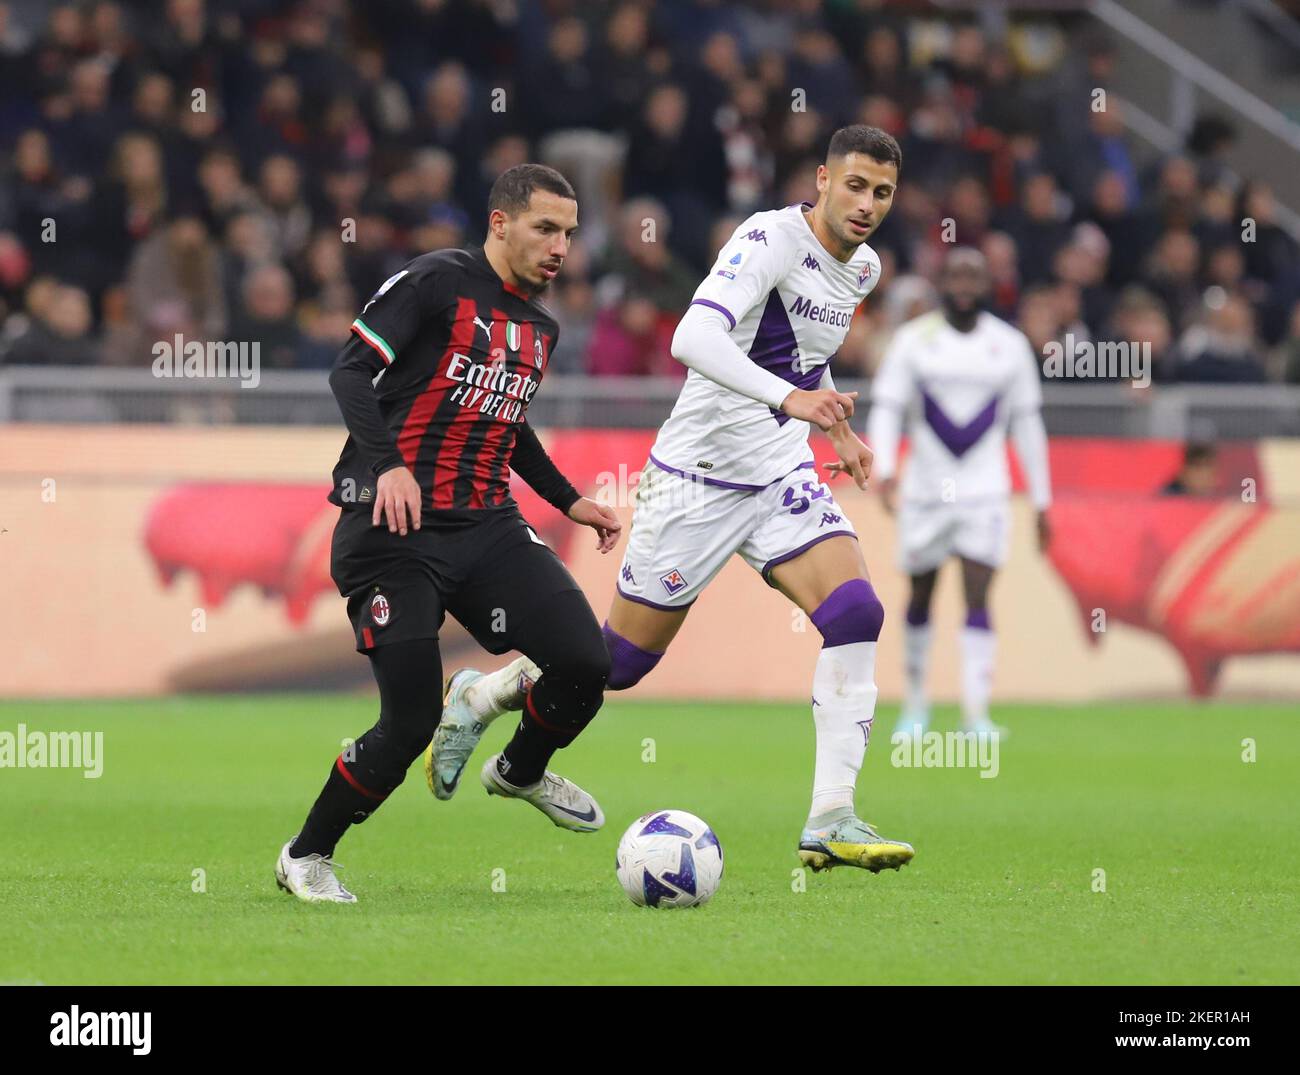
<point>434,386</point>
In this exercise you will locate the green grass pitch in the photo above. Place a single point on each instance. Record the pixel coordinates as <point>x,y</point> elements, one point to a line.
<point>1198,847</point>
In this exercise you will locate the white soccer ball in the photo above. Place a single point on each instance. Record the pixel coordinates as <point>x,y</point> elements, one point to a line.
<point>669,858</point>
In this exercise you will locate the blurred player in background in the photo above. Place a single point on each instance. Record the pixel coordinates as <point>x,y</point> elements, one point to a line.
<point>731,472</point>
<point>434,386</point>
<point>955,380</point>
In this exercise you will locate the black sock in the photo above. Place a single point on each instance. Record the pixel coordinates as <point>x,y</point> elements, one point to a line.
<point>338,806</point>
<point>524,759</point>
<point>409,676</point>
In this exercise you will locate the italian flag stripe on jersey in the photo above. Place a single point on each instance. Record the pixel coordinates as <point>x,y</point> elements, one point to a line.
<point>374,339</point>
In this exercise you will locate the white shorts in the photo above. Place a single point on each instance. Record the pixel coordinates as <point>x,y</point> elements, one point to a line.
<point>684,529</point>
<point>930,533</point>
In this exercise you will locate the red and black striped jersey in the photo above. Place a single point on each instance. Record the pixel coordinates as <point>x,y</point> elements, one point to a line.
<point>437,376</point>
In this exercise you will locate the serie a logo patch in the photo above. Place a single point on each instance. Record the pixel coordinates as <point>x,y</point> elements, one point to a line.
<point>380,610</point>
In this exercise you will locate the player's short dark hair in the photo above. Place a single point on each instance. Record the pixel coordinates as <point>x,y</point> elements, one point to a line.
<point>1198,451</point>
<point>514,187</point>
<point>872,141</point>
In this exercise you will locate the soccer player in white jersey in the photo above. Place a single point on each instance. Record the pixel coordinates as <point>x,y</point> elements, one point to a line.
<point>732,472</point>
<point>956,380</point>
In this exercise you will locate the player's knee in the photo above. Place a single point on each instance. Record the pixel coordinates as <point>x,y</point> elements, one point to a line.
<point>571,689</point>
<point>852,613</point>
<point>628,662</point>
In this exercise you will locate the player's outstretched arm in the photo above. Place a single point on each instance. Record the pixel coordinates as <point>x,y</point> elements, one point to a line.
<point>530,461</point>
<point>600,518</point>
<point>702,343</point>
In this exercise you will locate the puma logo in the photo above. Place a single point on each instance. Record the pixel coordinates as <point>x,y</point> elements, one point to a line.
<point>487,328</point>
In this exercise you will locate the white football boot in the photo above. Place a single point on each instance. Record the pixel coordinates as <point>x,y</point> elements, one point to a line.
<point>912,723</point>
<point>311,879</point>
<point>986,727</point>
<point>566,804</point>
<point>461,727</point>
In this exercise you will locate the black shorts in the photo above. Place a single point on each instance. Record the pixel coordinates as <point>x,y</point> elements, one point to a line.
<point>487,567</point>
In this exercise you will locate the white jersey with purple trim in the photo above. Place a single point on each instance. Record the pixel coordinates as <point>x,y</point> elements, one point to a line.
<point>957,392</point>
<point>789,303</point>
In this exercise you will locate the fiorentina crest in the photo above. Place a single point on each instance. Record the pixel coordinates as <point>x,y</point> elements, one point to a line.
<point>673,582</point>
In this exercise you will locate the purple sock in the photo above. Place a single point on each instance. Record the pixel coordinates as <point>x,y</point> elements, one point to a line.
<point>979,618</point>
<point>917,618</point>
<point>628,662</point>
<point>852,613</point>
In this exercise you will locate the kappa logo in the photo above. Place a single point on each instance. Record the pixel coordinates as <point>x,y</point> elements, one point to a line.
<point>627,575</point>
<point>810,262</point>
<point>673,582</point>
<point>829,517</point>
<point>756,236</point>
<point>380,610</point>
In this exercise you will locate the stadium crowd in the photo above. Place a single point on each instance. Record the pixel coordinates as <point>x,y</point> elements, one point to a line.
<point>252,170</point>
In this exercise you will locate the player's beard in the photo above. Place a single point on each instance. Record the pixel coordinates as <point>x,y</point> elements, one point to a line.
<point>850,240</point>
<point>963,317</point>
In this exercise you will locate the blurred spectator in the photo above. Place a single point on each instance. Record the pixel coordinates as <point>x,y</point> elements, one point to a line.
<point>1081,264</point>
<point>267,316</point>
<point>1000,253</point>
<point>1198,474</point>
<point>1040,320</point>
<point>1140,318</point>
<point>58,332</point>
<point>1128,230</point>
<point>326,323</point>
<point>1171,273</point>
<point>572,299</point>
<point>280,189</point>
<point>186,149</point>
<point>1290,350</point>
<point>175,284</point>
<point>643,265</point>
<point>1222,347</point>
<point>1039,227</point>
<point>630,338</point>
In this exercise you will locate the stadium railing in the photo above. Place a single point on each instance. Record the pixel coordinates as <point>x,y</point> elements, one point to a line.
<point>1177,412</point>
